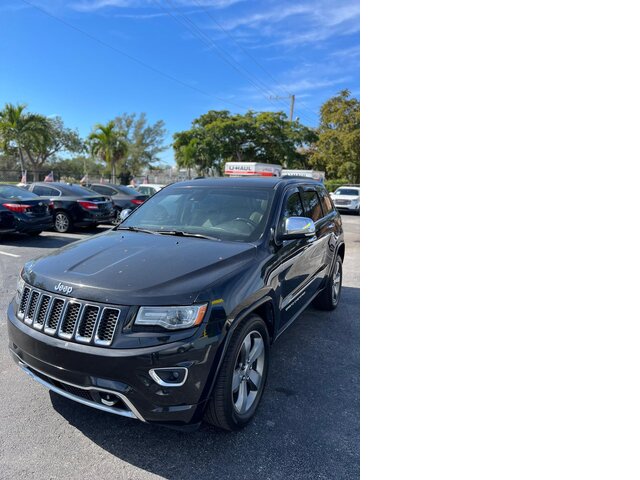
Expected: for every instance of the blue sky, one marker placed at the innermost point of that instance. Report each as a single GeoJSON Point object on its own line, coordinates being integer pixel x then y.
{"type": "Point", "coordinates": [198, 55]}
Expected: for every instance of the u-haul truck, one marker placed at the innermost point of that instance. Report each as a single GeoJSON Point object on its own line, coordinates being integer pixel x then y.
{"type": "Point", "coordinates": [252, 169]}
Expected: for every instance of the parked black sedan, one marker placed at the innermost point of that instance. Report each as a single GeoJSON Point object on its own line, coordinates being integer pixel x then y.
{"type": "Point", "coordinates": [122, 196]}
{"type": "Point", "coordinates": [74, 205]}
{"type": "Point", "coordinates": [24, 212]}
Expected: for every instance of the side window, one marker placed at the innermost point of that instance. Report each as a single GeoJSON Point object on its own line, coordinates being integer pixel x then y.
{"type": "Point", "coordinates": [312, 205]}
{"type": "Point", "coordinates": [293, 206]}
{"type": "Point", "coordinates": [45, 191]}
{"type": "Point", "coordinates": [327, 206]}
{"type": "Point", "coordinates": [102, 190]}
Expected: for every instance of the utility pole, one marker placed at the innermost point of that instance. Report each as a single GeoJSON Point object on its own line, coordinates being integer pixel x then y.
{"type": "Point", "coordinates": [293, 101]}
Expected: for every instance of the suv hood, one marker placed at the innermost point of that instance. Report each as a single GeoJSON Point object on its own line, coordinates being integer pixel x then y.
{"type": "Point", "coordinates": [134, 268]}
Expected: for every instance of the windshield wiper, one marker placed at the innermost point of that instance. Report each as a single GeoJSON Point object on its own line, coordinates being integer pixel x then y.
{"type": "Point", "coordinates": [136, 229]}
{"type": "Point", "coordinates": [180, 233]}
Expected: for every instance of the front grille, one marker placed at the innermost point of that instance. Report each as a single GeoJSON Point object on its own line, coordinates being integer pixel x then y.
{"type": "Point", "coordinates": [33, 301]}
{"type": "Point", "coordinates": [68, 324]}
{"type": "Point", "coordinates": [342, 202]}
{"type": "Point", "coordinates": [38, 322]}
{"type": "Point", "coordinates": [69, 319]}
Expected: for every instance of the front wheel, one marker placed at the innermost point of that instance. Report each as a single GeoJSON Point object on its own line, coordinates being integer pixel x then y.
{"type": "Point", "coordinates": [242, 376]}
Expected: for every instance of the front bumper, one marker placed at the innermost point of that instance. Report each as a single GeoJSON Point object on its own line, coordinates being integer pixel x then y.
{"type": "Point", "coordinates": [350, 207]}
{"type": "Point", "coordinates": [89, 374]}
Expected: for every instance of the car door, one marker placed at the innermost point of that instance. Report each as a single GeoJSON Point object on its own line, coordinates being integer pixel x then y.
{"type": "Point", "coordinates": [319, 254]}
{"type": "Point", "coordinates": [292, 267]}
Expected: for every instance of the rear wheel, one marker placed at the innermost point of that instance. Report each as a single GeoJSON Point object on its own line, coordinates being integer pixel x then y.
{"type": "Point", "coordinates": [329, 297]}
{"type": "Point", "coordinates": [62, 222]}
{"type": "Point", "coordinates": [242, 376]}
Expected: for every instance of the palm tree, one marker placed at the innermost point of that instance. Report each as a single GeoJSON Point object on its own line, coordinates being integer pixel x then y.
{"type": "Point", "coordinates": [110, 144]}
{"type": "Point", "coordinates": [19, 128]}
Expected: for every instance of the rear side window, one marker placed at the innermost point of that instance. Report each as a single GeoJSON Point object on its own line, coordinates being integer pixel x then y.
{"type": "Point", "coordinates": [326, 201]}
{"type": "Point", "coordinates": [103, 190]}
{"type": "Point", "coordinates": [45, 191]}
{"type": "Point", "coordinates": [312, 205]}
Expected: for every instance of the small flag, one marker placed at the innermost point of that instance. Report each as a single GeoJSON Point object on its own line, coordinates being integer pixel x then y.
{"type": "Point", "coordinates": [49, 178]}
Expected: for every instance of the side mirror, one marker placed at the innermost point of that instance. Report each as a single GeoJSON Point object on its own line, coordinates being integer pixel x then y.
{"type": "Point", "coordinates": [298, 227]}
{"type": "Point", "coordinates": [124, 214]}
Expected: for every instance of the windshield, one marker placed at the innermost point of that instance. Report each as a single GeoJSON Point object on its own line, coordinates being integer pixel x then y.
{"type": "Point", "coordinates": [347, 191]}
{"type": "Point", "coordinates": [77, 190]}
{"type": "Point", "coordinates": [236, 214]}
{"type": "Point", "coordinates": [7, 191]}
{"type": "Point", "coordinates": [127, 190]}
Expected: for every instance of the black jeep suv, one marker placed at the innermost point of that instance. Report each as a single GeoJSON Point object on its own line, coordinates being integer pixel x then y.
{"type": "Point", "coordinates": [169, 317]}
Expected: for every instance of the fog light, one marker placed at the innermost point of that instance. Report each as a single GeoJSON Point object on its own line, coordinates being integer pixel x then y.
{"type": "Point", "coordinates": [170, 376]}
{"type": "Point", "coordinates": [108, 399]}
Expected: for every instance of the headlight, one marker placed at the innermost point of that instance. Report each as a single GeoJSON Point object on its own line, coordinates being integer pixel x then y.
{"type": "Point", "coordinates": [172, 318]}
{"type": "Point", "coordinates": [20, 289]}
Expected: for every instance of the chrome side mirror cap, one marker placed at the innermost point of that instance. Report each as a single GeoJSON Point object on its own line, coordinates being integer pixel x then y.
{"type": "Point", "coordinates": [298, 227]}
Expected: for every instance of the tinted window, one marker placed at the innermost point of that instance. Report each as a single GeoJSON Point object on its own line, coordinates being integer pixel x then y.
{"type": "Point", "coordinates": [293, 206]}
{"type": "Point", "coordinates": [103, 190]}
{"type": "Point", "coordinates": [77, 190]}
{"type": "Point", "coordinates": [45, 191]}
{"type": "Point", "coordinates": [347, 191]}
{"type": "Point", "coordinates": [127, 190]}
{"type": "Point", "coordinates": [312, 205]}
{"type": "Point", "coordinates": [226, 213]}
{"type": "Point", "coordinates": [7, 191]}
{"type": "Point", "coordinates": [327, 206]}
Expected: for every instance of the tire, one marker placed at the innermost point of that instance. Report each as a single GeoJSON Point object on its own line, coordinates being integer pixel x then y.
{"type": "Point", "coordinates": [34, 234]}
{"type": "Point", "coordinates": [62, 222]}
{"type": "Point", "coordinates": [116, 219]}
{"type": "Point", "coordinates": [329, 297]}
{"type": "Point", "coordinates": [226, 409]}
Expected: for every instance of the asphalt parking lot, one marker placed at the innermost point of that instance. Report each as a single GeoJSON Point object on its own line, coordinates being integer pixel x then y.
{"type": "Point", "coordinates": [307, 426]}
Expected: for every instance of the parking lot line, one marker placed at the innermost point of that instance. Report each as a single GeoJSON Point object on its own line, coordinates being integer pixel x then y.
{"type": "Point", "coordinates": [9, 254]}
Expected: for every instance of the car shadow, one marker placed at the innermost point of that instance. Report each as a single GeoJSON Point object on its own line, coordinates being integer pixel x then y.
{"type": "Point", "coordinates": [307, 425]}
{"type": "Point", "coordinates": [46, 240]}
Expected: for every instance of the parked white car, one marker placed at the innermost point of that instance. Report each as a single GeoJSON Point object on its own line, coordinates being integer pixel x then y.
{"type": "Point", "coordinates": [149, 188]}
{"type": "Point", "coordinates": [347, 198]}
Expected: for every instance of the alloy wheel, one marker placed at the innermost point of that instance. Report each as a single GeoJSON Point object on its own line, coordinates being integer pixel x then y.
{"type": "Point", "coordinates": [248, 372]}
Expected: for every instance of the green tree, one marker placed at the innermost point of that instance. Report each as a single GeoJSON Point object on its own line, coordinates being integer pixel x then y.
{"type": "Point", "coordinates": [17, 128]}
{"type": "Point", "coordinates": [56, 138]}
{"type": "Point", "coordinates": [145, 141]}
{"type": "Point", "coordinates": [218, 137]}
{"type": "Point", "coordinates": [338, 148]}
{"type": "Point", "coordinates": [110, 144]}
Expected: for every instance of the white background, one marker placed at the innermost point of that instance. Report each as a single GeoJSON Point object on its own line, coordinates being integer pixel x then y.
{"type": "Point", "coordinates": [501, 258]}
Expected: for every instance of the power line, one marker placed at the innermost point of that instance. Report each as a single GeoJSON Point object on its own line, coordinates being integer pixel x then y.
{"type": "Point", "coordinates": [131, 57]}
{"type": "Point", "coordinates": [278, 84]}
{"type": "Point", "coordinates": [225, 56]}
{"type": "Point", "coordinates": [198, 33]}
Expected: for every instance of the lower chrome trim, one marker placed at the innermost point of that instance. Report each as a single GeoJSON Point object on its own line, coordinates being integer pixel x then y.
{"type": "Point", "coordinates": [116, 411]}
{"type": "Point", "coordinates": [162, 383]}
